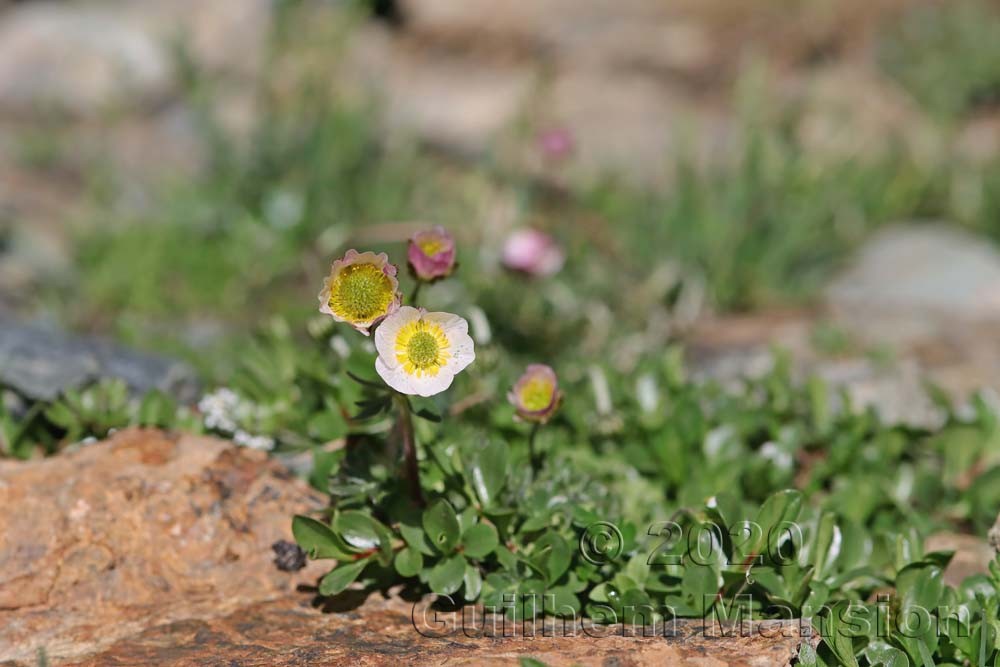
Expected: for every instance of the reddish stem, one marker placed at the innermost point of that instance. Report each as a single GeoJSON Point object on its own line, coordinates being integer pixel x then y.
{"type": "Point", "coordinates": [411, 467]}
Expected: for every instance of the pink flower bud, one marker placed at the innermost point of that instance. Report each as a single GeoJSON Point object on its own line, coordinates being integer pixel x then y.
{"type": "Point", "coordinates": [536, 396]}
{"type": "Point", "coordinates": [533, 252]}
{"type": "Point", "coordinates": [431, 254]}
{"type": "Point", "coordinates": [556, 144]}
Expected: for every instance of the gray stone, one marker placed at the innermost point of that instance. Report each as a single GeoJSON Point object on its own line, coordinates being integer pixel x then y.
{"type": "Point", "coordinates": [832, 126]}
{"type": "Point", "coordinates": [78, 59]}
{"type": "Point", "coordinates": [40, 364]}
{"type": "Point", "coordinates": [633, 126]}
{"type": "Point", "coordinates": [460, 104]}
{"type": "Point", "coordinates": [603, 33]}
{"type": "Point", "coordinates": [918, 282]}
{"type": "Point", "coordinates": [221, 36]}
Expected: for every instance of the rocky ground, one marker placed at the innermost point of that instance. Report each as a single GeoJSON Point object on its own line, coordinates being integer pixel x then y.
{"type": "Point", "coordinates": [155, 549]}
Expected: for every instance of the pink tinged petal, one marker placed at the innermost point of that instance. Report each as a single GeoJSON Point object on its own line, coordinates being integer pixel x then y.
{"type": "Point", "coordinates": [533, 374]}
{"type": "Point", "coordinates": [352, 256]}
{"type": "Point", "coordinates": [431, 266]}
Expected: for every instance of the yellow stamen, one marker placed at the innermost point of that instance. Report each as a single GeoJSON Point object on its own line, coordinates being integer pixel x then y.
{"type": "Point", "coordinates": [422, 348]}
{"type": "Point", "coordinates": [361, 293]}
{"type": "Point", "coordinates": [431, 246]}
{"type": "Point", "coordinates": [536, 394]}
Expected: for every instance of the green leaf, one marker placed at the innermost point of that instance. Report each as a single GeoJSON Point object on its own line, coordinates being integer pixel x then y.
{"type": "Point", "coordinates": [341, 577]}
{"type": "Point", "coordinates": [880, 654]}
{"type": "Point", "coordinates": [416, 538]}
{"type": "Point", "coordinates": [699, 583]}
{"type": "Point", "coordinates": [157, 409]}
{"type": "Point", "coordinates": [479, 540]}
{"type": "Point", "coordinates": [807, 655]}
{"type": "Point", "coordinates": [326, 426]}
{"type": "Point", "coordinates": [560, 601]}
{"type": "Point", "coordinates": [473, 582]}
{"type": "Point", "coordinates": [779, 509]}
{"type": "Point", "coordinates": [840, 632]}
{"type": "Point", "coordinates": [441, 525]}
{"type": "Point", "coordinates": [531, 662]}
{"type": "Point", "coordinates": [430, 416]}
{"type": "Point", "coordinates": [409, 562]}
{"type": "Point", "coordinates": [358, 529]}
{"type": "Point", "coordinates": [324, 463]}
{"type": "Point", "coordinates": [826, 545]}
{"type": "Point", "coordinates": [552, 555]}
{"type": "Point", "coordinates": [488, 471]}
{"type": "Point", "coordinates": [447, 576]}
{"type": "Point", "coordinates": [317, 540]}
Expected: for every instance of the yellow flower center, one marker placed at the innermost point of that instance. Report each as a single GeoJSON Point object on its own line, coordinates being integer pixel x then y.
{"type": "Point", "coordinates": [536, 394]}
{"type": "Point", "coordinates": [431, 246]}
{"type": "Point", "coordinates": [360, 293]}
{"type": "Point", "coordinates": [422, 347]}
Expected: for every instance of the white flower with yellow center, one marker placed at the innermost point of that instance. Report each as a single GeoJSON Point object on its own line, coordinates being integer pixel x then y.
{"type": "Point", "coordinates": [421, 353]}
{"type": "Point", "coordinates": [360, 290]}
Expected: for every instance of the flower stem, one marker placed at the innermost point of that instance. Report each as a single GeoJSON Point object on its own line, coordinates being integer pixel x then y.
{"type": "Point", "coordinates": [412, 469]}
{"type": "Point", "coordinates": [416, 293]}
{"type": "Point", "coordinates": [531, 448]}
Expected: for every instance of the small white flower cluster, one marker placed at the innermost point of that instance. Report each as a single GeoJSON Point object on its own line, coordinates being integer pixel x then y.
{"type": "Point", "coordinates": [261, 442]}
{"type": "Point", "coordinates": [223, 410]}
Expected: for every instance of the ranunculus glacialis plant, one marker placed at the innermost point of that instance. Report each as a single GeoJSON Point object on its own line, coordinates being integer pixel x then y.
{"type": "Point", "coordinates": [419, 352]}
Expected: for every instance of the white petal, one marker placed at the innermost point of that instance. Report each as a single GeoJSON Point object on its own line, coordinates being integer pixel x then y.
{"type": "Point", "coordinates": [395, 377]}
{"type": "Point", "coordinates": [385, 334]}
{"type": "Point", "coordinates": [461, 346]}
{"type": "Point", "coordinates": [401, 381]}
{"type": "Point", "coordinates": [448, 321]}
{"type": "Point", "coordinates": [462, 350]}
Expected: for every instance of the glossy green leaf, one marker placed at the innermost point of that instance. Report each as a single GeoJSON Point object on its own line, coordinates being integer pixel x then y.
{"type": "Point", "coordinates": [317, 540]}
{"type": "Point", "coordinates": [447, 576]}
{"type": "Point", "coordinates": [488, 471]}
{"type": "Point", "coordinates": [472, 582]}
{"type": "Point", "coordinates": [409, 562]}
{"type": "Point", "coordinates": [441, 525]}
{"type": "Point", "coordinates": [357, 529]}
{"type": "Point", "coordinates": [479, 540]}
{"type": "Point", "coordinates": [552, 555]}
{"type": "Point", "coordinates": [341, 577]}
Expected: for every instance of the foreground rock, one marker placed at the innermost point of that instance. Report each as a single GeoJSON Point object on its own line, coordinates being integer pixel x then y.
{"type": "Point", "coordinates": [41, 364]}
{"type": "Point", "coordinates": [290, 632]}
{"type": "Point", "coordinates": [153, 550]}
{"type": "Point", "coordinates": [144, 529]}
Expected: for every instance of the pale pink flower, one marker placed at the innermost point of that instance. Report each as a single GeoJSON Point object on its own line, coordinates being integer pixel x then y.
{"type": "Point", "coordinates": [533, 252]}
{"type": "Point", "coordinates": [431, 254]}
{"type": "Point", "coordinates": [536, 396]}
{"type": "Point", "coordinates": [361, 290]}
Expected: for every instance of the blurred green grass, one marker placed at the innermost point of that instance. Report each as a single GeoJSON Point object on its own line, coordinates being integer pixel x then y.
{"type": "Point", "coordinates": [214, 258]}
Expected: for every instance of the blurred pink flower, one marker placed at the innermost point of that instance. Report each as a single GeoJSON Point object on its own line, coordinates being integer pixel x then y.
{"type": "Point", "coordinates": [536, 396]}
{"type": "Point", "coordinates": [431, 254]}
{"type": "Point", "coordinates": [533, 252]}
{"type": "Point", "coordinates": [556, 143]}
